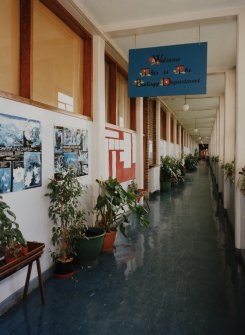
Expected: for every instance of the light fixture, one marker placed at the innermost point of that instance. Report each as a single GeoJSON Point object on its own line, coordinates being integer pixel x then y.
{"type": "Point", "coordinates": [195, 129]}
{"type": "Point", "coordinates": [185, 107]}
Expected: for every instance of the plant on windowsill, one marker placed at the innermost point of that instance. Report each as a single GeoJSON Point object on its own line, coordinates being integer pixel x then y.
{"type": "Point", "coordinates": [113, 207]}
{"type": "Point", "coordinates": [12, 242]}
{"type": "Point", "coordinates": [241, 181]}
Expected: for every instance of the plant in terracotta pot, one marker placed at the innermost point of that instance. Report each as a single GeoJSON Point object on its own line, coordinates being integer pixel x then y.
{"type": "Point", "coordinates": [12, 242]}
{"type": "Point", "coordinates": [65, 194]}
{"type": "Point", "coordinates": [113, 207]}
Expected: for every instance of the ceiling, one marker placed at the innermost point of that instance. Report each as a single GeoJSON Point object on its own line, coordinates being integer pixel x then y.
{"type": "Point", "coordinates": [142, 23]}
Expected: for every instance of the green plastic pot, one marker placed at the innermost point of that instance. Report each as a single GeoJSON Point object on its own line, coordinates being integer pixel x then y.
{"type": "Point", "coordinates": [165, 186]}
{"type": "Point", "coordinates": [88, 249]}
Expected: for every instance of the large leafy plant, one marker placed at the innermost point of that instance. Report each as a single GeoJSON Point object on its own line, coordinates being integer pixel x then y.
{"type": "Point", "coordinates": [191, 162]}
{"type": "Point", "coordinates": [11, 238]}
{"type": "Point", "coordinates": [65, 213]}
{"type": "Point", "coordinates": [168, 169]}
{"type": "Point", "coordinates": [113, 206]}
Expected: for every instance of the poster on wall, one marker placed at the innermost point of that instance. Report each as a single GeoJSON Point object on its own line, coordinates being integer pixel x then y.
{"type": "Point", "coordinates": [20, 153]}
{"type": "Point", "coordinates": [70, 150]}
{"type": "Point", "coordinates": [168, 70]}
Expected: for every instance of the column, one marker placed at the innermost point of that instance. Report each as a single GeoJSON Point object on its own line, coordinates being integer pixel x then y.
{"type": "Point", "coordinates": [240, 134]}
{"type": "Point", "coordinates": [221, 143]}
{"type": "Point", "coordinates": [139, 143]}
{"type": "Point", "coordinates": [168, 140]}
{"type": "Point", "coordinates": [158, 135]}
{"type": "Point", "coordinates": [229, 129]}
{"type": "Point", "coordinates": [99, 156]}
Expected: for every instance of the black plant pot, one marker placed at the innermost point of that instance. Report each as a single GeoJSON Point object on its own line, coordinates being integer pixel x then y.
{"type": "Point", "coordinates": [64, 269]}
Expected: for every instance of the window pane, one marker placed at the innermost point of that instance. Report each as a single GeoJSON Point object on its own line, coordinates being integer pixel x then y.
{"type": "Point", "coordinates": [9, 46]}
{"type": "Point", "coordinates": [107, 91]}
{"type": "Point", "coordinates": [57, 62]}
{"type": "Point", "coordinates": [123, 102]}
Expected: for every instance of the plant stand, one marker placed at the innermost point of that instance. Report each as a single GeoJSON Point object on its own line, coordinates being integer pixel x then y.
{"type": "Point", "coordinates": [34, 253]}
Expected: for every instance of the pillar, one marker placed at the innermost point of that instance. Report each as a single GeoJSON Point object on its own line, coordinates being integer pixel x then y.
{"type": "Point", "coordinates": [100, 169]}
{"type": "Point", "coordinates": [139, 143]}
{"type": "Point", "coordinates": [158, 131]}
{"type": "Point", "coordinates": [240, 134]}
{"type": "Point", "coordinates": [229, 128]}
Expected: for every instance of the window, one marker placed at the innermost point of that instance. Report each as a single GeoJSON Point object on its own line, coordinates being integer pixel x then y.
{"type": "Point", "coordinates": [56, 62]}
{"type": "Point", "coordinates": [172, 130]}
{"type": "Point", "coordinates": [9, 46]}
{"type": "Point", "coordinates": [177, 129]}
{"type": "Point", "coordinates": [123, 102]}
{"type": "Point", "coordinates": [163, 125]}
{"type": "Point", "coordinates": [120, 109]}
{"type": "Point", "coordinates": [45, 55]}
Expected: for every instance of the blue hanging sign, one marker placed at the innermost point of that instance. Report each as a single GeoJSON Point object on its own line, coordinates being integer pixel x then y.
{"type": "Point", "coordinates": [168, 70]}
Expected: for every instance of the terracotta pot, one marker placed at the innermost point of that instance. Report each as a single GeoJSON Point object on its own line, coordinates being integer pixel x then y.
{"type": "Point", "coordinates": [109, 241]}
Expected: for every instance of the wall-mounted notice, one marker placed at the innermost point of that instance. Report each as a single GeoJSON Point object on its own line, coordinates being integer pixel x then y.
{"type": "Point", "coordinates": [70, 150]}
{"type": "Point", "coordinates": [168, 70]}
{"type": "Point", "coordinates": [20, 153]}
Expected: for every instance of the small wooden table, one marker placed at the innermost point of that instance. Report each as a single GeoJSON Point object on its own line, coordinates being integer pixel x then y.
{"type": "Point", "coordinates": [35, 250]}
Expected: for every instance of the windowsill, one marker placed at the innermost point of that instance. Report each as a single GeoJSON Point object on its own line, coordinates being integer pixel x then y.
{"type": "Point", "coordinates": [31, 102]}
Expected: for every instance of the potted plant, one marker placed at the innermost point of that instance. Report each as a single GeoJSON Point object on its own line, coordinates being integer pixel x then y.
{"type": "Point", "coordinates": [191, 162]}
{"type": "Point", "coordinates": [86, 244]}
{"type": "Point", "coordinates": [12, 242]}
{"type": "Point", "coordinates": [112, 208]}
{"type": "Point", "coordinates": [63, 210]}
{"type": "Point", "coordinates": [230, 171]}
{"type": "Point", "coordinates": [241, 181]}
{"type": "Point", "coordinates": [167, 174]}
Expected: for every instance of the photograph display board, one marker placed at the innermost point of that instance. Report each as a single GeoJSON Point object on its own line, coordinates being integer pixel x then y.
{"type": "Point", "coordinates": [20, 153]}
{"type": "Point", "coordinates": [70, 150]}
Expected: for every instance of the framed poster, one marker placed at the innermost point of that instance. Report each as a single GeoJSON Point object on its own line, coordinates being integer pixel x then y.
{"type": "Point", "coordinates": [20, 153]}
{"type": "Point", "coordinates": [70, 150]}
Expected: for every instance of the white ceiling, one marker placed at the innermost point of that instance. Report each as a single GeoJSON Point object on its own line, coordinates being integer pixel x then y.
{"type": "Point", "coordinates": [146, 23]}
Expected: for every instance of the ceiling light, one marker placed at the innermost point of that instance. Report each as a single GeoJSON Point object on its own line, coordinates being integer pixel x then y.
{"type": "Point", "coordinates": [195, 129]}
{"type": "Point", "coordinates": [185, 107]}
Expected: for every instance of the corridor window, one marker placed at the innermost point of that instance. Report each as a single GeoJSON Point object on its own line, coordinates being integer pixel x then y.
{"type": "Point", "coordinates": [123, 102]}
{"type": "Point", "coordinates": [57, 62]}
{"type": "Point", "coordinates": [163, 125]}
{"type": "Point", "coordinates": [9, 46]}
{"type": "Point", "coordinates": [117, 103]}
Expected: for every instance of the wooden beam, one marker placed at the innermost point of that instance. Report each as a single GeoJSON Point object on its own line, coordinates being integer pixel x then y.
{"type": "Point", "coordinates": [25, 48]}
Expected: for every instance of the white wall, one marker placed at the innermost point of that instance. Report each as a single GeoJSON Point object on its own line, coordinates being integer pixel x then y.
{"type": "Point", "coordinates": [31, 206]}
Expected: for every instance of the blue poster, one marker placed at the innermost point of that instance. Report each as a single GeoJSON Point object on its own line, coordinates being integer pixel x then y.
{"type": "Point", "coordinates": [20, 153]}
{"type": "Point", "coordinates": [168, 70]}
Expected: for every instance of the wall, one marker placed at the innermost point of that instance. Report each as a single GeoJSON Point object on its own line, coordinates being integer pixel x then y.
{"type": "Point", "coordinates": [120, 153]}
{"type": "Point", "coordinates": [31, 206]}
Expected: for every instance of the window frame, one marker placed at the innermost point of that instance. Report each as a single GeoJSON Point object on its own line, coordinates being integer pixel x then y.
{"type": "Point", "coordinates": [114, 69]}
{"type": "Point", "coordinates": [25, 8]}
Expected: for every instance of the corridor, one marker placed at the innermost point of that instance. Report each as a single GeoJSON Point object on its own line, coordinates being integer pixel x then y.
{"type": "Point", "coordinates": [179, 277]}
